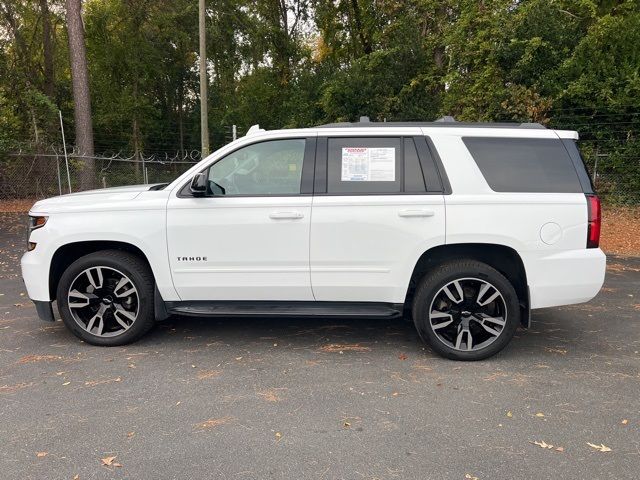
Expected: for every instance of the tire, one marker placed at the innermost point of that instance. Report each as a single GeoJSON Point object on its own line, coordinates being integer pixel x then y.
{"type": "Point", "coordinates": [449, 315]}
{"type": "Point", "coordinates": [113, 288]}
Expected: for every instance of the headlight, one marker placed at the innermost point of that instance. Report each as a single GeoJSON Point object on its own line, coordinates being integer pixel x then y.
{"type": "Point", "coordinates": [34, 224]}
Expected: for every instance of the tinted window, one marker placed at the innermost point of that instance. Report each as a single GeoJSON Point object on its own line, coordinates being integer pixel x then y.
{"type": "Point", "coordinates": [578, 163]}
{"type": "Point", "coordinates": [266, 168]}
{"type": "Point", "coordinates": [364, 165]}
{"type": "Point", "coordinates": [413, 177]}
{"type": "Point", "coordinates": [524, 164]}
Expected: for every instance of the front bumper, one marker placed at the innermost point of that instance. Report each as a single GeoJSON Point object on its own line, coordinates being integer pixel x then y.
{"type": "Point", "coordinates": [35, 274]}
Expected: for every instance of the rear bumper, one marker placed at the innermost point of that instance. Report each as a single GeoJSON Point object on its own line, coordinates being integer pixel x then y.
{"type": "Point", "coordinates": [564, 278]}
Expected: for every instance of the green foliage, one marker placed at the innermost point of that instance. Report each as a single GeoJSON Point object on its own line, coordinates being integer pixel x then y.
{"type": "Point", "coordinates": [293, 63]}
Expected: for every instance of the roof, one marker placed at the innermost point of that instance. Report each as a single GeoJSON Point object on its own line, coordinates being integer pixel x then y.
{"type": "Point", "coordinates": [446, 122]}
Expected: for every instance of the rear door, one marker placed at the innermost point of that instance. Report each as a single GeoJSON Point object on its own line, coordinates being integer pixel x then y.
{"type": "Point", "coordinates": [377, 206]}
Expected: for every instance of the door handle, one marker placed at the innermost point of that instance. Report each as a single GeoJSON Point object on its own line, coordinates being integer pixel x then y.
{"type": "Point", "coordinates": [416, 213]}
{"type": "Point", "coordinates": [285, 215]}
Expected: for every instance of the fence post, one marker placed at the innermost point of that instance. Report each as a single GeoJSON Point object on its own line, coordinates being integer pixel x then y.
{"type": "Point", "coordinates": [234, 132]}
{"type": "Point", "coordinates": [64, 145]}
{"type": "Point", "coordinates": [58, 170]}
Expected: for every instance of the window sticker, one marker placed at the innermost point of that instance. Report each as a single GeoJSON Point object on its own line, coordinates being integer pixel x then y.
{"type": "Point", "coordinates": [361, 164]}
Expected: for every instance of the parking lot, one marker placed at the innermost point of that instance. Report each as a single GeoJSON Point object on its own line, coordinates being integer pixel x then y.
{"type": "Point", "coordinates": [326, 399]}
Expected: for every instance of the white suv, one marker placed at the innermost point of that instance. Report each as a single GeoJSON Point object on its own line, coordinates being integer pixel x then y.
{"type": "Point", "coordinates": [467, 226]}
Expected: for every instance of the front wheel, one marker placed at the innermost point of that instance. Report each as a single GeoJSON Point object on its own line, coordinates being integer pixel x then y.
{"type": "Point", "coordinates": [466, 310]}
{"type": "Point", "coordinates": [106, 298]}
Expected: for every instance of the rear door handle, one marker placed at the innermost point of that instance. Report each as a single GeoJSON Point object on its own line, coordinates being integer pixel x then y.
{"type": "Point", "coordinates": [285, 215]}
{"type": "Point", "coordinates": [416, 213]}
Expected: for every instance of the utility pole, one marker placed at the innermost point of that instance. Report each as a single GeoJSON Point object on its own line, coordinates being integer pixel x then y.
{"type": "Point", "coordinates": [204, 120]}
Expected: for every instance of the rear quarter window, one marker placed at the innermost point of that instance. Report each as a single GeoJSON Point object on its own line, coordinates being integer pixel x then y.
{"type": "Point", "coordinates": [524, 164]}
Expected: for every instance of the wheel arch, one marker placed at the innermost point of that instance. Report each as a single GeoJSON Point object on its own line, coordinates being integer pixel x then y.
{"type": "Point", "coordinates": [66, 254]}
{"type": "Point", "coordinates": [503, 258]}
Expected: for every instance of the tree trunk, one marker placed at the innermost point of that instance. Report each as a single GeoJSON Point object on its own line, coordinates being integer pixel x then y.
{"type": "Point", "coordinates": [81, 97]}
{"type": "Point", "coordinates": [362, 35]}
{"type": "Point", "coordinates": [47, 41]}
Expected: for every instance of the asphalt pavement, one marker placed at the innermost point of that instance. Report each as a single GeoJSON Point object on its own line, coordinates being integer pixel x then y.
{"type": "Point", "coordinates": [319, 399]}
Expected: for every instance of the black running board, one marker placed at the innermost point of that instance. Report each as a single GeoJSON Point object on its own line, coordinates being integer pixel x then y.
{"type": "Point", "coordinates": [284, 309]}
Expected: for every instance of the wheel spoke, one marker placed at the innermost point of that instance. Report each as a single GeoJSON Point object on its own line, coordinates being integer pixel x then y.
{"type": "Point", "coordinates": [497, 320]}
{"type": "Point", "coordinates": [120, 314]}
{"type": "Point", "coordinates": [97, 316]}
{"type": "Point", "coordinates": [435, 315]}
{"type": "Point", "coordinates": [100, 326]}
{"type": "Point", "coordinates": [75, 294]}
{"type": "Point", "coordinates": [449, 294]}
{"type": "Point", "coordinates": [124, 281]}
{"type": "Point", "coordinates": [98, 280]}
{"type": "Point", "coordinates": [483, 290]}
{"type": "Point", "coordinates": [461, 334]}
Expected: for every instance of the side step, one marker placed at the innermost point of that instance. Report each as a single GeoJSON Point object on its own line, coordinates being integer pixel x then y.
{"type": "Point", "coordinates": [284, 309]}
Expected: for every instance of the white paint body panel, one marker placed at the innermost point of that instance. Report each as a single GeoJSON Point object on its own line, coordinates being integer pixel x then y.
{"type": "Point", "coordinates": [340, 248]}
{"type": "Point", "coordinates": [363, 249]}
{"type": "Point", "coordinates": [249, 254]}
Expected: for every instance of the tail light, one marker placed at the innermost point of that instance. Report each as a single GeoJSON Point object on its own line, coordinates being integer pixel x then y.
{"type": "Point", "coordinates": [595, 221]}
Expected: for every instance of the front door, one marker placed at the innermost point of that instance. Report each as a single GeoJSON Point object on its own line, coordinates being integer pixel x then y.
{"type": "Point", "coordinates": [248, 238]}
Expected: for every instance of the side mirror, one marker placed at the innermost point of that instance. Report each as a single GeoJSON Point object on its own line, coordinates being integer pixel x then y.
{"type": "Point", "coordinates": [199, 184]}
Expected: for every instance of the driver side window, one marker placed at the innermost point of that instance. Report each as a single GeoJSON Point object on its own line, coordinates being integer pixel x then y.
{"type": "Point", "coordinates": [266, 168]}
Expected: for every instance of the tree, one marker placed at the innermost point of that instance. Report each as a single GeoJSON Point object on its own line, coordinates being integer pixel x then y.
{"type": "Point", "coordinates": [81, 96]}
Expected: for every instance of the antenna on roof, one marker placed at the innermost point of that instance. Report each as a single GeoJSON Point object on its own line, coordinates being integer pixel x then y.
{"type": "Point", "coordinates": [446, 119]}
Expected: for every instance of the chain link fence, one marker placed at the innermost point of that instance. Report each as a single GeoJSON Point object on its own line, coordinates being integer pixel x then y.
{"type": "Point", "coordinates": [35, 176]}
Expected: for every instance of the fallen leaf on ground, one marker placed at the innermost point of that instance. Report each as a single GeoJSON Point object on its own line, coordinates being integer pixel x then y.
{"type": "Point", "coordinates": [547, 446]}
{"type": "Point", "coordinates": [270, 395]}
{"type": "Point", "coordinates": [93, 383]}
{"type": "Point", "coordinates": [346, 424]}
{"type": "Point", "coordinates": [204, 374]}
{"type": "Point", "coordinates": [14, 388]}
{"type": "Point", "coordinates": [213, 423]}
{"type": "Point", "coordinates": [468, 476]}
{"type": "Point", "coordinates": [344, 347]}
{"type": "Point", "coordinates": [131, 434]}
{"type": "Point", "coordinates": [41, 454]}
{"type": "Point", "coordinates": [601, 448]}
{"type": "Point", "coordinates": [539, 414]}
{"type": "Point", "coordinates": [509, 414]}
{"type": "Point", "coordinates": [66, 383]}
{"type": "Point", "coordinates": [109, 461]}
{"type": "Point", "coordinates": [625, 421]}
{"type": "Point", "coordinates": [38, 358]}
{"type": "Point", "coordinates": [556, 350]}
{"type": "Point", "coordinates": [278, 436]}
{"type": "Point", "coordinates": [402, 356]}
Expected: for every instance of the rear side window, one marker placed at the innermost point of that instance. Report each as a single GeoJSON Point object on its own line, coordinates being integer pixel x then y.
{"type": "Point", "coordinates": [364, 165]}
{"type": "Point", "coordinates": [524, 164]}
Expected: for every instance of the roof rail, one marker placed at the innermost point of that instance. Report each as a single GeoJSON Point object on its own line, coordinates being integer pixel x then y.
{"type": "Point", "coordinates": [446, 121]}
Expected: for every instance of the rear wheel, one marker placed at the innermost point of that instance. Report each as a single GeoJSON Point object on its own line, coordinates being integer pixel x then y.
{"type": "Point", "coordinates": [466, 310]}
{"type": "Point", "coordinates": [106, 298]}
